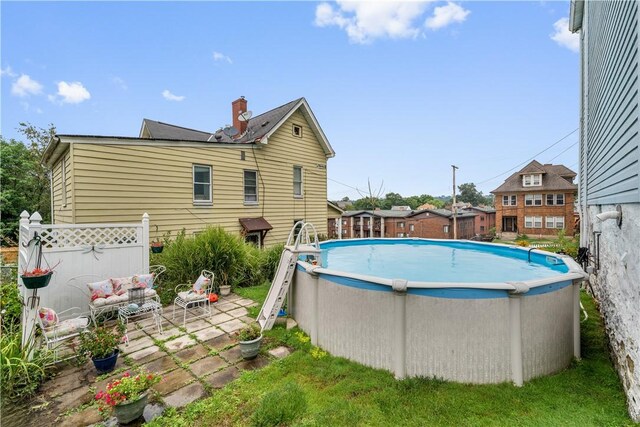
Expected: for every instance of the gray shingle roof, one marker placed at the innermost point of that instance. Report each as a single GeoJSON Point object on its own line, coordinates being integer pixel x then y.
{"type": "Point", "coordinates": [257, 127]}
{"type": "Point", "coordinates": [552, 179]}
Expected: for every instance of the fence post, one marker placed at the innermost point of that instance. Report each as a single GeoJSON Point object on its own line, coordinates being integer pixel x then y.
{"type": "Point", "coordinates": [145, 242]}
{"type": "Point", "coordinates": [29, 312]}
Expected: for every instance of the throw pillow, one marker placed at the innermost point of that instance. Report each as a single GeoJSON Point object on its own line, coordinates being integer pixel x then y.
{"type": "Point", "coordinates": [143, 280]}
{"type": "Point", "coordinates": [201, 284]}
{"type": "Point", "coordinates": [48, 317]}
{"type": "Point", "coordinates": [121, 285]}
{"type": "Point", "coordinates": [101, 289]}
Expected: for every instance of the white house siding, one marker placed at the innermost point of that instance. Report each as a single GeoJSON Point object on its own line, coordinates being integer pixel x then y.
{"type": "Point", "coordinates": [609, 175]}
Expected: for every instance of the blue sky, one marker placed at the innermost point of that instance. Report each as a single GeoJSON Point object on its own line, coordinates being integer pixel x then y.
{"type": "Point", "coordinates": [402, 90]}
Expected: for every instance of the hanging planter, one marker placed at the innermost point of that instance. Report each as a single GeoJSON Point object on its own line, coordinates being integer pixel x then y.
{"type": "Point", "coordinates": [36, 279]}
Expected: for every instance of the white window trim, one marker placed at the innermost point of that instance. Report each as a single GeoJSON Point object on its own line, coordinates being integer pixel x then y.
{"type": "Point", "coordinates": [529, 180]}
{"type": "Point", "coordinates": [301, 195]}
{"type": "Point", "coordinates": [531, 221]}
{"type": "Point", "coordinates": [208, 202]}
{"type": "Point", "coordinates": [555, 220]}
{"type": "Point", "coordinates": [244, 189]}
{"type": "Point", "coordinates": [533, 198]}
{"type": "Point", "coordinates": [293, 130]}
{"type": "Point", "coordinates": [512, 200]}
{"type": "Point", "coordinates": [555, 199]}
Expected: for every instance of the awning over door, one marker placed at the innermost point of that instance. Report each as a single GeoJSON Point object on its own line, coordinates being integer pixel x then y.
{"type": "Point", "coordinates": [255, 225]}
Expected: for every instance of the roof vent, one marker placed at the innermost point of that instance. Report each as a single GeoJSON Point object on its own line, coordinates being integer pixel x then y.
{"type": "Point", "coordinates": [264, 123]}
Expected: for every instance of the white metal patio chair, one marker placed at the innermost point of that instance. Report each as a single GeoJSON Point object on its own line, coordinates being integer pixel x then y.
{"type": "Point", "coordinates": [60, 329]}
{"type": "Point", "coordinates": [194, 298]}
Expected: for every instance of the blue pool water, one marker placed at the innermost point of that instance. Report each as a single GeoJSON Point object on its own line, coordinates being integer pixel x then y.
{"type": "Point", "coordinates": [437, 261]}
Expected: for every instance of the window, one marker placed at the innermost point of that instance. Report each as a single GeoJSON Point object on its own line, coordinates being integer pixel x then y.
{"type": "Point", "coordinates": [253, 238]}
{"type": "Point", "coordinates": [250, 187]}
{"type": "Point", "coordinates": [401, 225]}
{"type": "Point", "coordinates": [532, 222]}
{"type": "Point", "coordinates": [297, 131]}
{"type": "Point", "coordinates": [533, 200]}
{"type": "Point", "coordinates": [201, 185]}
{"type": "Point", "coordinates": [555, 222]}
{"type": "Point", "coordinates": [400, 234]}
{"type": "Point", "coordinates": [297, 181]}
{"type": "Point", "coordinates": [555, 199]}
{"type": "Point", "coordinates": [344, 222]}
{"type": "Point", "coordinates": [482, 219]}
{"type": "Point", "coordinates": [532, 180]}
{"type": "Point", "coordinates": [445, 228]}
{"type": "Point", "coordinates": [344, 231]}
{"type": "Point", "coordinates": [412, 227]}
{"type": "Point", "coordinates": [482, 228]}
{"type": "Point", "coordinates": [509, 200]}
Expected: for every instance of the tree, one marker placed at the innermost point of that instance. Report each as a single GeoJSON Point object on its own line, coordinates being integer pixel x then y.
{"type": "Point", "coordinates": [469, 194]}
{"type": "Point", "coordinates": [24, 180]}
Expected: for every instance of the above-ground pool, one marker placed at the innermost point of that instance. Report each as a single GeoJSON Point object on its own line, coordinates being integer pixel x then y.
{"type": "Point", "coordinates": [455, 310]}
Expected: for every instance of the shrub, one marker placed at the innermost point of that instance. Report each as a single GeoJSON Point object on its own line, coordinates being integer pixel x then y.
{"type": "Point", "coordinates": [233, 261]}
{"type": "Point", "coordinates": [281, 406]}
{"type": "Point", "coordinates": [20, 377]}
{"type": "Point", "coordinates": [10, 304]}
{"type": "Point", "coordinates": [101, 342]}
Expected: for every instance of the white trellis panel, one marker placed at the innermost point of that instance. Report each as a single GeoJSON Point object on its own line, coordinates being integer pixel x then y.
{"type": "Point", "coordinates": [99, 250]}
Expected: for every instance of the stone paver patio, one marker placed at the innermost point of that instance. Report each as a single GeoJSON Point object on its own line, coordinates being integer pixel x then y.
{"type": "Point", "coordinates": [194, 361]}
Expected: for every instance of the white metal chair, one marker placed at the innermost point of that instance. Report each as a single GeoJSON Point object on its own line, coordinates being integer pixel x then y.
{"type": "Point", "coordinates": [60, 329]}
{"type": "Point", "coordinates": [189, 300]}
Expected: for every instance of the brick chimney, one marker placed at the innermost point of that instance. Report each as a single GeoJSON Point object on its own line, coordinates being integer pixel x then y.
{"type": "Point", "coordinates": [238, 107]}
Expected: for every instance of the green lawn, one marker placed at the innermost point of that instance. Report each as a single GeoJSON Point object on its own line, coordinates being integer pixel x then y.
{"type": "Point", "coordinates": [312, 388]}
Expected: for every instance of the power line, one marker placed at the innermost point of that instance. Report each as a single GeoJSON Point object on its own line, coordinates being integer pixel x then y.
{"type": "Point", "coordinates": [528, 160]}
{"type": "Point", "coordinates": [563, 151]}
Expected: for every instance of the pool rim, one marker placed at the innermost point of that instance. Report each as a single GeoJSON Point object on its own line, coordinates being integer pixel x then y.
{"type": "Point", "coordinates": [574, 272]}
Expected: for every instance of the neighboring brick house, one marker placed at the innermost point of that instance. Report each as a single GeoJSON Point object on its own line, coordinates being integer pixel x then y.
{"type": "Point", "coordinates": [485, 218]}
{"type": "Point", "coordinates": [426, 223]}
{"type": "Point", "coordinates": [537, 200]}
{"type": "Point", "coordinates": [334, 220]}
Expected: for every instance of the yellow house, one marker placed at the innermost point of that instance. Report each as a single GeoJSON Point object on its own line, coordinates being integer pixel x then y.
{"type": "Point", "coordinates": [256, 178]}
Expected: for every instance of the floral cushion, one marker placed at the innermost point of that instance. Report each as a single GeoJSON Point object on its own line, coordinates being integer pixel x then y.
{"type": "Point", "coordinates": [143, 280]}
{"type": "Point", "coordinates": [122, 284]}
{"type": "Point", "coordinates": [191, 296]}
{"type": "Point", "coordinates": [67, 327]}
{"type": "Point", "coordinates": [201, 284]}
{"type": "Point", "coordinates": [101, 289]}
{"type": "Point", "coordinates": [48, 317]}
{"type": "Point", "coordinates": [111, 300]}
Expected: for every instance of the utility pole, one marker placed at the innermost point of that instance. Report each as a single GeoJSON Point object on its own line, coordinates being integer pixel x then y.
{"type": "Point", "coordinates": [455, 208]}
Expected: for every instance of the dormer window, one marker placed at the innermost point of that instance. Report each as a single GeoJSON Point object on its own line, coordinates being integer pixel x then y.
{"type": "Point", "coordinates": [534, 180]}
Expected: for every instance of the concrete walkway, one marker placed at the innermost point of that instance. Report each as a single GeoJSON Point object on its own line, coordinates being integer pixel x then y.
{"type": "Point", "coordinates": [194, 361]}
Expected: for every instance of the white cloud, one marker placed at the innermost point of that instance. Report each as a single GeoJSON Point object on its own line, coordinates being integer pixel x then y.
{"type": "Point", "coordinates": [446, 15]}
{"type": "Point", "coordinates": [70, 93]}
{"type": "Point", "coordinates": [367, 21]}
{"type": "Point", "coordinates": [171, 97]}
{"type": "Point", "coordinates": [564, 37]}
{"type": "Point", "coordinates": [119, 82]}
{"type": "Point", "coordinates": [25, 86]}
{"type": "Point", "coordinates": [8, 71]}
{"type": "Point", "coordinates": [217, 56]}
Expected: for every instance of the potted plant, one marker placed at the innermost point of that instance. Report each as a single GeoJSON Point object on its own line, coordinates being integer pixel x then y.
{"type": "Point", "coordinates": [157, 246]}
{"type": "Point", "coordinates": [101, 345]}
{"type": "Point", "coordinates": [127, 395]}
{"type": "Point", "coordinates": [36, 278]}
{"type": "Point", "coordinates": [249, 339]}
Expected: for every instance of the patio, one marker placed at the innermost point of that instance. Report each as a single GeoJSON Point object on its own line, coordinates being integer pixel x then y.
{"type": "Point", "coordinates": [194, 361]}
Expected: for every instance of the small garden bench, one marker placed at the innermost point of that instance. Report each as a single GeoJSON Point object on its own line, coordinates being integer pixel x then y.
{"type": "Point", "coordinates": [107, 296]}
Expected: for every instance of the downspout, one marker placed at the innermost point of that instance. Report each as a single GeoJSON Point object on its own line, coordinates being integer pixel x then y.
{"type": "Point", "coordinates": [51, 194]}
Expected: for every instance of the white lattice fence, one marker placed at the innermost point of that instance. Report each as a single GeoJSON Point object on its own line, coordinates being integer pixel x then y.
{"type": "Point", "coordinates": [100, 251]}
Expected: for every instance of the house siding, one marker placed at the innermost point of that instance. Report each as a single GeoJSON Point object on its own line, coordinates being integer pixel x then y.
{"type": "Point", "coordinates": [609, 176]}
{"type": "Point", "coordinates": [119, 182]}
{"type": "Point", "coordinates": [63, 207]}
